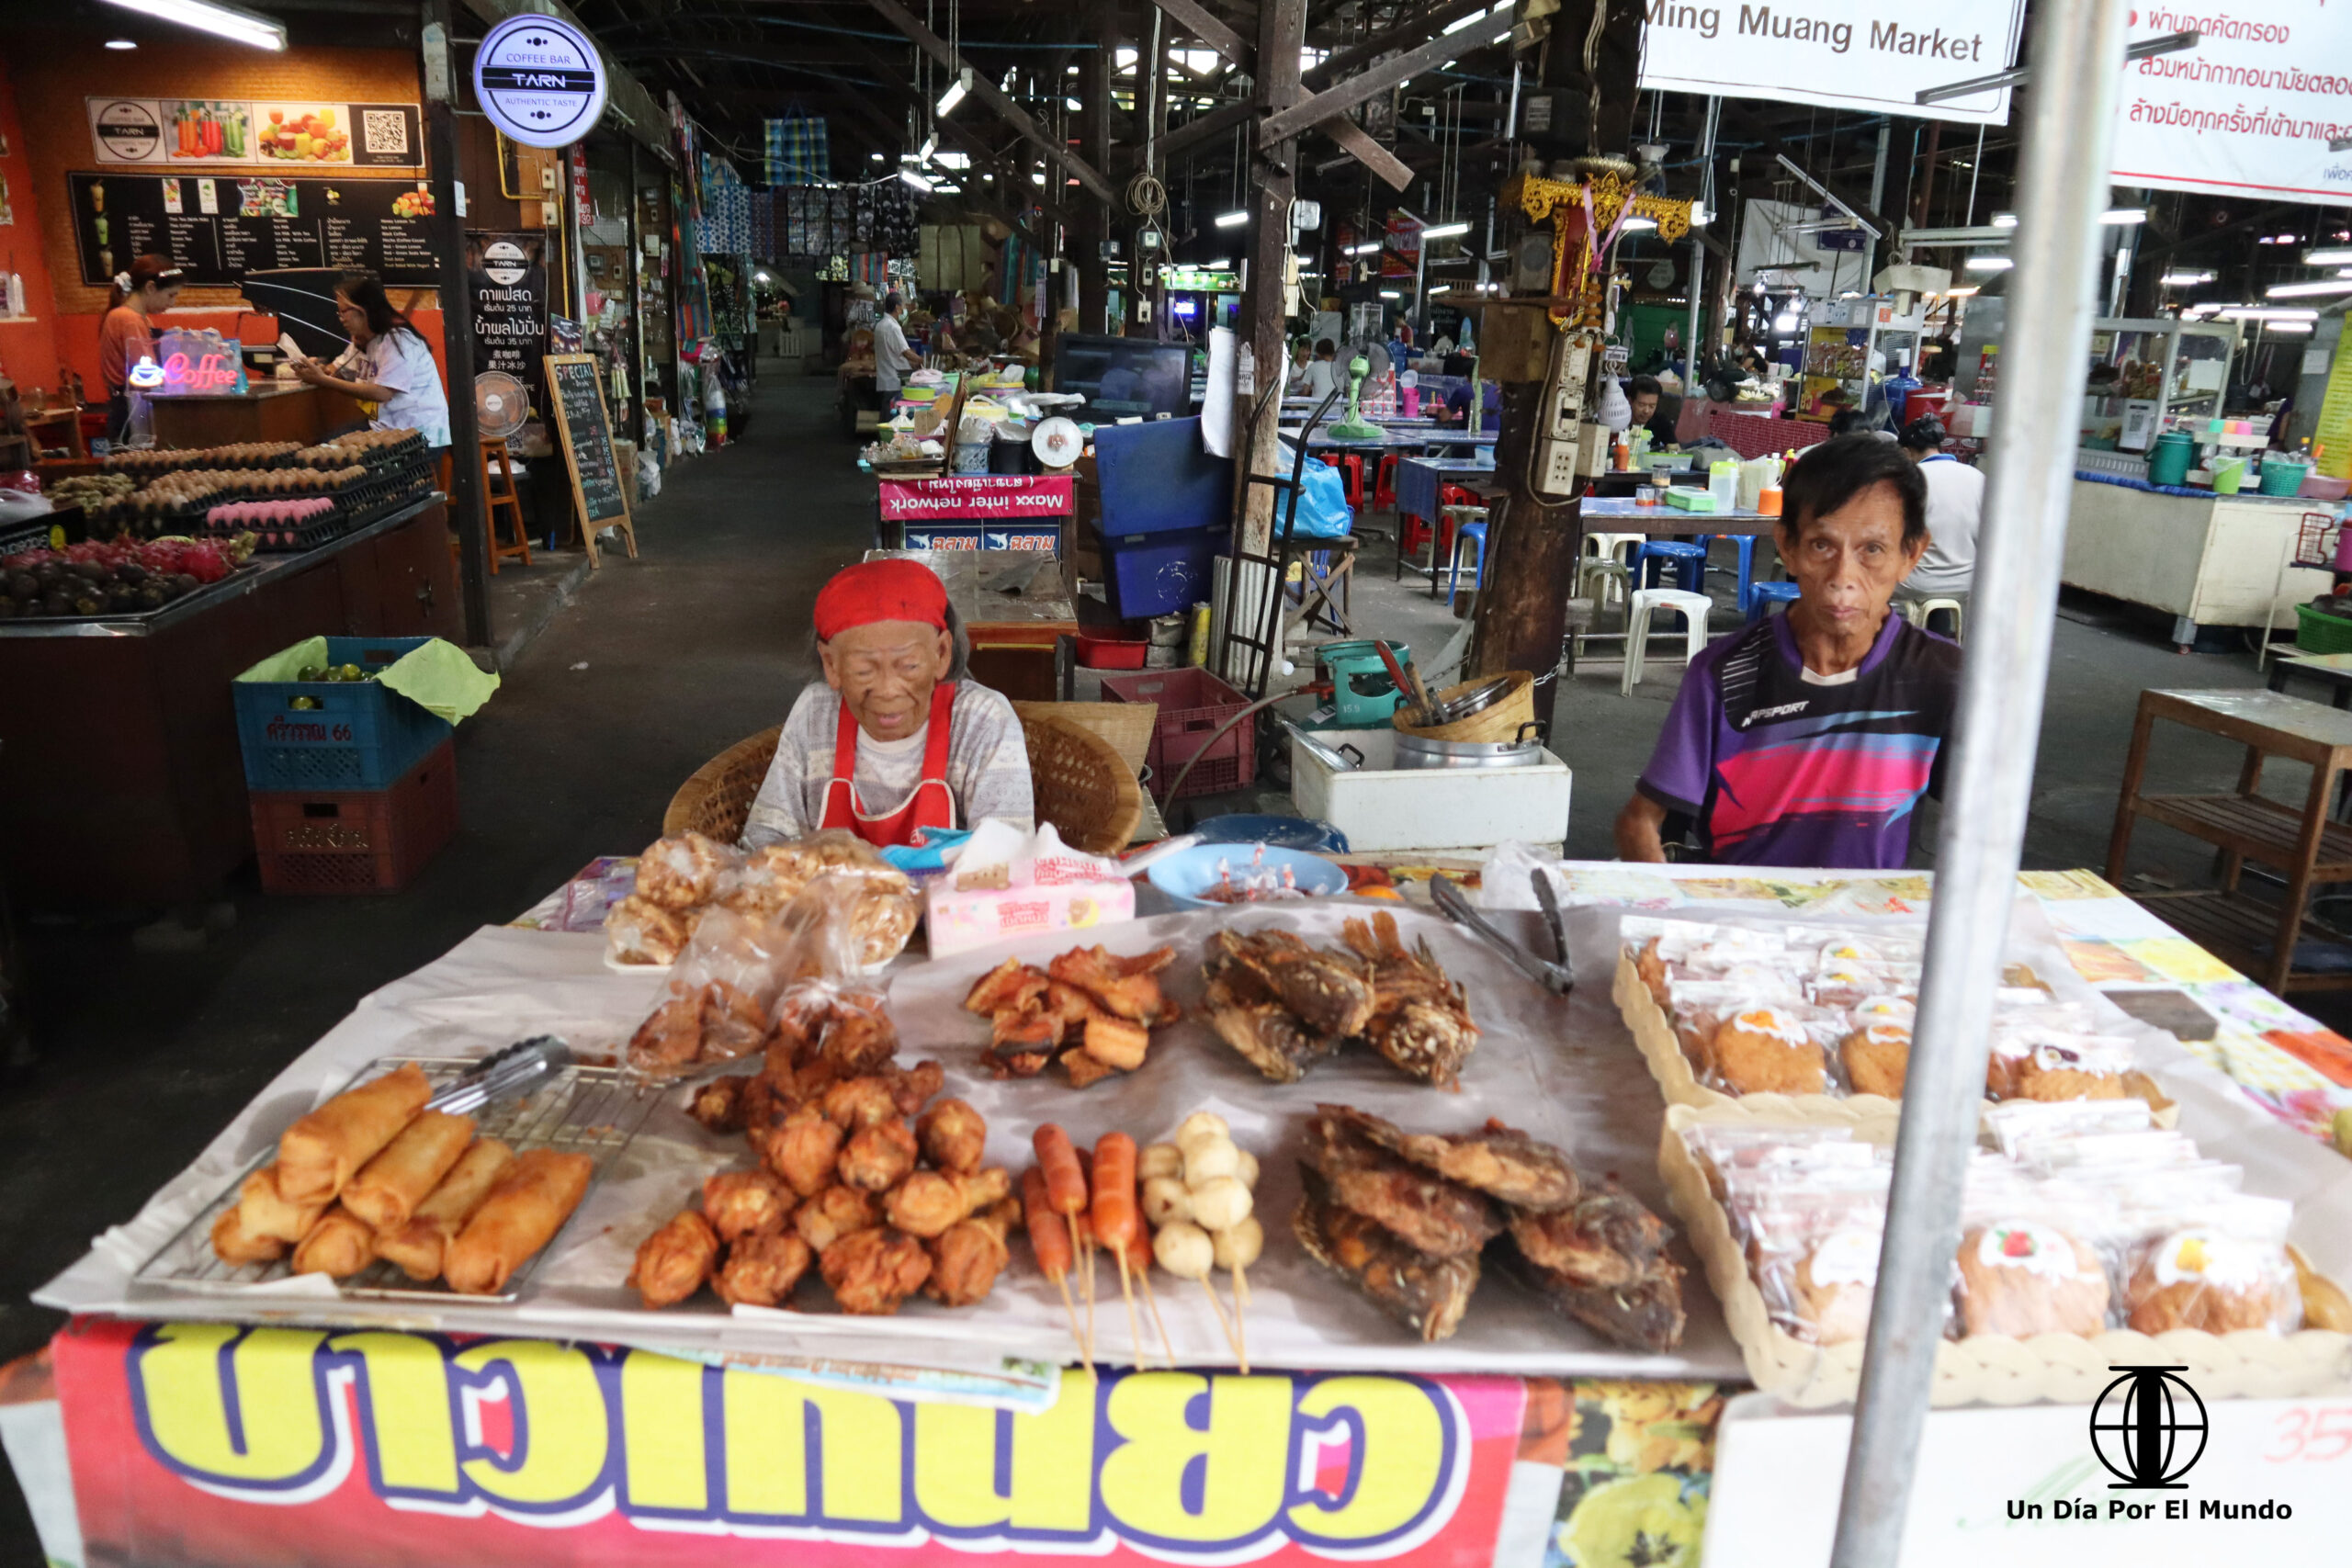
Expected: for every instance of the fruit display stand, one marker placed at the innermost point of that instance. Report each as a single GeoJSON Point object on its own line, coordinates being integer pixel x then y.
{"type": "Point", "coordinates": [587, 1432]}
{"type": "Point", "coordinates": [124, 779]}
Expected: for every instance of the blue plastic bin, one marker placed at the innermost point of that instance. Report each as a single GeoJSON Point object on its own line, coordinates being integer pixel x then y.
{"type": "Point", "coordinates": [361, 736]}
{"type": "Point", "coordinates": [1157, 574]}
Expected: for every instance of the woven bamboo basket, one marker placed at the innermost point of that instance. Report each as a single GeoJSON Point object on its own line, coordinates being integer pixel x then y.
{"type": "Point", "coordinates": [1083, 785]}
{"type": "Point", "coordinates": [1126, 726]}
{"type": "Point", "coordinates": [1500, 723]}
{"type": "Point", "coordinates": [1988, 1368]}
{"type": "Point", "coordinates": [717, 799]}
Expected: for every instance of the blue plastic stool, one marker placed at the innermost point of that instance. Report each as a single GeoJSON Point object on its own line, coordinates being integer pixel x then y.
{"type": "Point", "coordinates": [1469, 533]}
{"type": "Point", "coordinates": [1746, 544]}
{"type": "Point", "coordinates": [1687, 560]}
{"type": "Point", "coordinates": [1762, 596]}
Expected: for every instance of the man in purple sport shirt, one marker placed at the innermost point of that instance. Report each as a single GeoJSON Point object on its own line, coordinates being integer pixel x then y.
{"type": "Point", "coordinates": [1807, 739]}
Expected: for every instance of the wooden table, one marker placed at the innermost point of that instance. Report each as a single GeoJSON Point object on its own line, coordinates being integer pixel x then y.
{"type": "Point", "coordinates": [124, 785]}
{"type": "Point", "coordinates": [2305, 846]}
{"type": "Point", "coordinates": [272, 410]}
{"type": "Point", "coordinates": [1013, 605]}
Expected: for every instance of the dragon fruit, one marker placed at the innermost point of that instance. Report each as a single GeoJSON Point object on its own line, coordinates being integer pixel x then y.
{"type": "Point", "coordinates": [205, 562]}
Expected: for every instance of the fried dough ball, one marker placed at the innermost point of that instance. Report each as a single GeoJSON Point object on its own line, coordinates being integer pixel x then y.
{"type": "Point", "coordinates": [873, 1270]}
{"type": "Point", "coordinates": [954, 1137]}
{"type": "Point", "coordinates": [928, 1201]}
{"type": "Point", "coordinates": [966, 1260]}
{"type": "Point", "coordinates": [673, 1263]}
{"type": "Point", "coordinates": [835, 1212]}
{"type": "Point", "coordinates": [744, 1202]}
{"type": "Point", "coordinates": [761, 1270]}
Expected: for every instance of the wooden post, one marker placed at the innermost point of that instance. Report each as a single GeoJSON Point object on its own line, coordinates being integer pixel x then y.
{"type": "Point", "coordinates": [1531, 545]}
{"type": "Point", "coordinates": [1094, 140]}
{"type": "Point", "coordinates": [1282, 33]}
{"type": "Point", "coordinates": [457, 318]}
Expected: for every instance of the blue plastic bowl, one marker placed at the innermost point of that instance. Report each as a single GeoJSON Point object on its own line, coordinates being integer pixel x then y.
{"type": "Point", "coordinates": [1185, 875]}
{"type": "Point", "coordinates": [1281, 833]}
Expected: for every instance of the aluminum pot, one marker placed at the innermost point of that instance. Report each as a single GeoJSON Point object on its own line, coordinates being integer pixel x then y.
{"type": "Point", "coordinates": [1415, 751]}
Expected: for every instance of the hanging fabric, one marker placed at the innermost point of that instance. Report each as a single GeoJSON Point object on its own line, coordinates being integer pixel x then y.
{"type": "Point", "coordinates": [798, 149]}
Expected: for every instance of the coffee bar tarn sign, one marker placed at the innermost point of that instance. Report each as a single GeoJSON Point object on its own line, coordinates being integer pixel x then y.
{"type": "Point", "coordinates": [506, 274]}
{"type": "Point", "coordinates": [218, 132]}
{"type": "Point", "coordinates": [2249, 111]}
{"type": "Point", "coordinates": [1849, 54]}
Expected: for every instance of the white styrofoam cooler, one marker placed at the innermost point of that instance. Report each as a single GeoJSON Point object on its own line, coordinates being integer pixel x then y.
{"type": "Point", "coordinates": [1381, 807]}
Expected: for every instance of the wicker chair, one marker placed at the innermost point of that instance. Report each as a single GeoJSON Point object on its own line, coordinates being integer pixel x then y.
{"type": "Point", "coordinates": [1083, 787]}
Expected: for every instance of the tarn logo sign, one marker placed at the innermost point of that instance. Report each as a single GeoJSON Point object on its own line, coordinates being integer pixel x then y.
{"type": "Point", "coordinates": [2148, 1428]}
{"type": "Point", "coordinates": [541, 80]}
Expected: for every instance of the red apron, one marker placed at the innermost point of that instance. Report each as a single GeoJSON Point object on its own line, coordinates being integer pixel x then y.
{"type": "Point", "coordinates": [930, 805]}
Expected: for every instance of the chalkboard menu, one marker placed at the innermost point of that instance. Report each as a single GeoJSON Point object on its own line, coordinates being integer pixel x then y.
{"type": "Point", "coordinates": [579, 405]}
{"type": "Point", "coordinates": [216, 228]}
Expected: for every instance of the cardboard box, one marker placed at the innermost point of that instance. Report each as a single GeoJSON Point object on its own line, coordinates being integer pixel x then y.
{"type": "Point", "coordinates": [961, 921]}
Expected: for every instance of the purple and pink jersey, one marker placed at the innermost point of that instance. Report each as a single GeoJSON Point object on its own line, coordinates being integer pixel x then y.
{"type": "Point", "coordinates": [1779, 768]}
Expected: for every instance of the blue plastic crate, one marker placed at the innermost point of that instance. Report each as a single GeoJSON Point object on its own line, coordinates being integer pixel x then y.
{"type": "Point", "coordinates": [1157, 574]}
{"type": "Point", "coordinates": [361, 736]}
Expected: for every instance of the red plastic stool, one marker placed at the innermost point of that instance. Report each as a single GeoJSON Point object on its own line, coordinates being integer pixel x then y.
{"type": "Point", "coordinates": [1383, 487]}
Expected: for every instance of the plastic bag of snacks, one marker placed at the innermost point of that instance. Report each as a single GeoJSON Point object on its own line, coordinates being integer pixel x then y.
{"type": "Point", "coordinates": [827, 1010]}
{"type": "Point", "coordinates": [2220, 1265]}
{"type": "Point", "coordinates": [716, 1007]}
{"type": "Point", "coordinates": [1814, 1240]}
{"type": "Point", "coordinates": [878, 904]}
{"type": "Point", "coordinates": [2028, 1262]}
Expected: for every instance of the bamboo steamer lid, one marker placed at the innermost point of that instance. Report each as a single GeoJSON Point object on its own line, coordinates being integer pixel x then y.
{"type": "Point", "coordinates": [1502, 722]}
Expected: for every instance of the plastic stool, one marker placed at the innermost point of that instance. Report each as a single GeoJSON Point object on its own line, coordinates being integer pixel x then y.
{"type": "Point", "coordinates": [1693, 608]}
{"type": "Point", "coordinates": [1745, 578]}
{"type": "Point", "coordinates": [1470, 528]}
{"type": "Point", "coordinates": [1917, 611]}
{"type": "Point", "coordinates": [1602, 560]}
{"type": "Point", "coordinates": [1762, 596]}
{"type": "Point", "coordinates": [1384, 483]}
{"type": "Point", "coordinates": [1688, 560]}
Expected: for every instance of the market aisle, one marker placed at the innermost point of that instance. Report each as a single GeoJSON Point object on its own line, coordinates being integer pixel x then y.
{"type": "Point", "coordinates": [697, 644]}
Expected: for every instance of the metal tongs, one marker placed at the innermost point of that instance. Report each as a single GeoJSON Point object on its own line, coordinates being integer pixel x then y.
{"type": "Point", "coordinates": [1556, 973]}
{"type": "Point", "coordinates": [507, 1074]}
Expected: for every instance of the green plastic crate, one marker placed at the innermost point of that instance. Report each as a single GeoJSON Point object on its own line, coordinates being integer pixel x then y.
{"type": "Point", "coordinates": [2316, 631]}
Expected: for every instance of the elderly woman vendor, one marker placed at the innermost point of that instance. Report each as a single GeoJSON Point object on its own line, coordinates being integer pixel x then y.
{"type": "Point", "coordinates": [897, 737]}
{"type": "Point", "coordinates": [1807, 739]}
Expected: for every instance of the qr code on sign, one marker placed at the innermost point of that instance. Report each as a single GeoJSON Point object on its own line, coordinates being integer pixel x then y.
{"type": "Point", "coordinates": [383, 133]}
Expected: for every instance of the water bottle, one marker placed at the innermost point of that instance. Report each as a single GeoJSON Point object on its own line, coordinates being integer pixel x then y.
{"type": "Point", "coordinates": [1723, 483]}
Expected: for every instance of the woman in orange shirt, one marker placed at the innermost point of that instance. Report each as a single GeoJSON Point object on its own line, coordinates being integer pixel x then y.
{"type": "Point", "coordinates": [125, 334]}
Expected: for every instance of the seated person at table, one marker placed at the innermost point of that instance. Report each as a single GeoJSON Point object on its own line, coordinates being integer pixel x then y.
{"type": "Point", "coordinates": [1644, 393]}
{"type": "Point", "coordinates": [1807, 739]}
{"type": "Point", "coordinates": [897, 736]}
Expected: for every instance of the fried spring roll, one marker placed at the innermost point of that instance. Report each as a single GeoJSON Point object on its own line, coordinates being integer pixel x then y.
{"type": "Point", "coordinates": [339, 1245]}
{"type": "Point", "coordinates": [521, 1215]}
{"type": "Point", "coordinates": [267, 1214]}
{"type": "Point", "coordinates": [419, 1245]}
{"type": "Point", "coordinates": [326, 1148]}
{"type": "Point", "coordinates": [238, 1243]}
{"type": "Point", "coordinates": [389, 1187]}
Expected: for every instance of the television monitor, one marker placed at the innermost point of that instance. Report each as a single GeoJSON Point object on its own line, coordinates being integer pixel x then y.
{"type": "Point", "coordinates": [1120, 376]}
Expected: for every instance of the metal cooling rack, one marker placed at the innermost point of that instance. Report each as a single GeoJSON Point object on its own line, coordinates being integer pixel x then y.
{"type": "Point", "coordinates": [593, 1110]}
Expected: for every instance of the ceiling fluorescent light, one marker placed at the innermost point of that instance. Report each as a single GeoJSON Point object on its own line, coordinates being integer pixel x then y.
{"type": "Point", "coordinates": [1639, 225]}
{"type": "Point", "coordinates": [914, 179]}
{"type": "Point", "coordinates": [2309, 290]}
{"type": "Point", "coordinates": [1367, 248]}
{"type": "Point", "coordinates": [2004, 220]}
{"type": "Point", "coordinates": [954, 94]}
{"type": "Point", "coordinates": [2290, 329]}
{"type": "Point", "coordinates": [1445, 231]}
{"type": "Point", "coordinates": [1232, 219]}
{"type": "Point", "coordinates": [2334, 255]}
{"type": "Point", "coordinates": [1988, 263]}
{"type": "Point", "coordinates": [2186, 279]}
{"type": "Point", "coordinates": [2265, 313]}
{"type": "Point", "coordinates": [1390, 294]}
{"type": "Point", "coordinates": [210, 17]}
{"type": "Point", "coordinates": [122, 43]}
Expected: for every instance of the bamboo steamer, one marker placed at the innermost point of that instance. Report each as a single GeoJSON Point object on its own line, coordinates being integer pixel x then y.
{"type": "Point", "coordinates": [1501, 722]}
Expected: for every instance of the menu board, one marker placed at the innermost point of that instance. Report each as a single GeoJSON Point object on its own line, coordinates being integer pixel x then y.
{"type": "Point", "coordinates": [579, 406]}
{"type": "Point", "coordinates": [216, 228]}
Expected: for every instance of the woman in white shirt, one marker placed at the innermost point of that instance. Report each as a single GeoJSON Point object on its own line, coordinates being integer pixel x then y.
{"type": "Point", "coordinates": [388, 364]}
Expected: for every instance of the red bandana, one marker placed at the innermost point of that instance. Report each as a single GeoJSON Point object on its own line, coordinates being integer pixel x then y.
{"type": "Point", "coordinates": [880, 591]}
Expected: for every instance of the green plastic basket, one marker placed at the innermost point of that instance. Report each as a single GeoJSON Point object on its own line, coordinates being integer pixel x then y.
{"type": "Point", "coordinates": [2316, 631]}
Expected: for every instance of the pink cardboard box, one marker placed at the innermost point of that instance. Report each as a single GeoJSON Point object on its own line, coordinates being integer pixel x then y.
{"type": "Point", "coordinates": [961, 921]}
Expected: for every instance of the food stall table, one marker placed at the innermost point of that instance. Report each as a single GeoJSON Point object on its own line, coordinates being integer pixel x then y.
{"type": "Point", "coordinates": [649, 1432]}
{"type": "Point", "coordinates": [272, 410]}
{"type": "Point", "coordinates": [2205, 559]}
{"type": "Point", "coordinates": [121, 733]}
{"type": "Point", "coordinates": [1014, 604]}
{"type": "Point", "coordinates": [2332, 671]}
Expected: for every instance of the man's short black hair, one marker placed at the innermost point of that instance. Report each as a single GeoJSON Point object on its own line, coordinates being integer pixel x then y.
{"type": "Point", "coordinates": [1326, 349]}
{"type": "Point", "coordinates": [1828, 476]}
{"type": "Point", "coordinates": [1925, 434]}
{"type": "Point", "coordinates": [1644, 384]}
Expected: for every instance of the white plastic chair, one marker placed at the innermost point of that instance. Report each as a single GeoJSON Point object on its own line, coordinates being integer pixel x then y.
{"type": "Point", "coordinates": [1917, 611]}
{"type": "Point", "coordinates": [1693, 609]}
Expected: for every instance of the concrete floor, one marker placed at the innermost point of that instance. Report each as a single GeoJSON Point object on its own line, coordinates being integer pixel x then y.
{"type": "Point", "coordinates": [663, 661]}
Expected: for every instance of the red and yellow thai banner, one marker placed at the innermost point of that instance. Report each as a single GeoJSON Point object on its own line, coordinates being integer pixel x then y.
{"type": "Point", "coordinates": [208, 1445]}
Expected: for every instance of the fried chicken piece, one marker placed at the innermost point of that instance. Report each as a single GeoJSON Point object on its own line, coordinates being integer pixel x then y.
{"type": "Point", "coordinates": [720, 1104]}
{"type": "Point", "coordinates": [1330, 993]}
{"type": "Point", "coordinates": [1073, 1007]}
{"type": "Point", "coordinates": [1645, 1312]}
{"type": "Point", "coordinates": [850, 1033]}
{"type": "Point", "coordinates": [744, 1202]}
{"type": "Point", "coordinates": [1419, 1020]}
{"type": "Point", "coordinates": [953, 1135]}
{"type": "Point", "coordinates": [835, 1212]}
{"type": "Point", "coordinates": [928, 1201]}
{"type": "Point", "coordinates": [1032, 1026]}
{"type": "Point", "coordinates": [965, 1259]}
{"type": "Point", "coordinates": [1500, 1161]}
{"type": "Point", "coordinates": [872, 1271]}
{"type": "Point", "coordinates": [860, 1101]}
{"type": "Point", "coordinates": [1248, 1016]}
{"type": "Point", "coordinates": [1427, 1212]}
{"type": "Point", "coordinates": [912, 1088]}
{"type": "Point", "coordinates": [803, 1150]}
{"type": "Point", "coordinates": [1127, 988]}
{"type": "Point", "coordinates": [734, 1023]}
{"type": "Point", "coordinates": [673, 1263]}
{"type": "Point", "coordinates": [1009, 985]}
{"type": "Point", "coordinates": [877, 1158]}
{"type": "Point", "coordinates": [860, 1038]}
{"type": "Point", "coordinates": [1426, 1294]}
{"type": "Point", "coordinates": [1604, 1240]}
{"type": "Point", "coordinates": [761, 1270]}
{"type": "Point", "coordinates": [1117, 1043]}
{"type": "Point", "coordinates": [669, 1038]}
{"type": "Point", "coordinates": [1085, 1071]}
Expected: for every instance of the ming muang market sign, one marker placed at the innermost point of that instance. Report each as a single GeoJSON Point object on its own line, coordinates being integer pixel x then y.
{"type": "Point", "coordinates": [202, 1443]}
